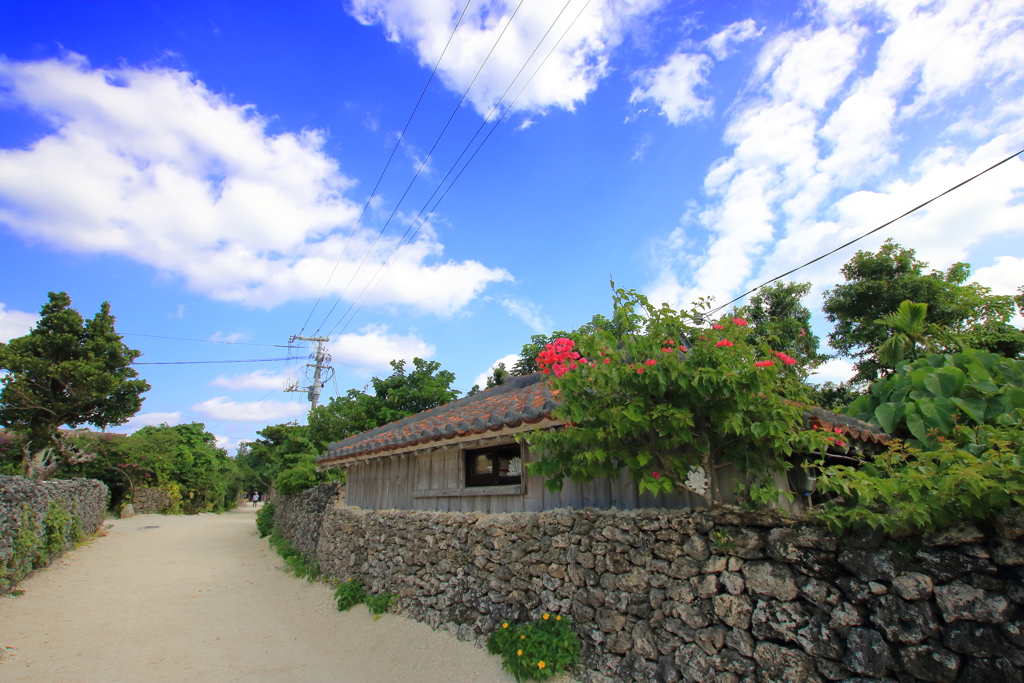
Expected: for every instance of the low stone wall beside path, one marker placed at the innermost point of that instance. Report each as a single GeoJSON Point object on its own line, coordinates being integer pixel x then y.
{"type": "Point", "coordinates": [711, 597]}
{"type": "Point", "coordinates": [147, 500]}
{"type": "Point", "coordinates": [86, 499]}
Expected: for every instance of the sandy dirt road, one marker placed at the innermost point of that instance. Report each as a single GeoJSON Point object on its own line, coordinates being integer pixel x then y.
{"type": "Point", "coordinates": [202, 598]}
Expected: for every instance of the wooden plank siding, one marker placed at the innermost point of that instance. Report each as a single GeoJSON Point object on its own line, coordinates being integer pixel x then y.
{"type": "Point", "coordinates": [400, 482]}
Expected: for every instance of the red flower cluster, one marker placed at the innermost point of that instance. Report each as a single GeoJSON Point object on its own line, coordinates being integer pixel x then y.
{"type": "Point", "coordinates": [718, 327]}
{"type": "Point", "coordinates": [655, 475]}
{"type": "Point", "coordinates": [650, 361]}
{"type": "Point", "coordinates": [739, 321]}
{"type": "Point", "coordinates": [558, 357]}
{"type": "Point", "coordinates": [785, 358]}
{"type": "Point", "coordinates": [724, 342]}
{"type": "Point", "coordinates": [764, 364]}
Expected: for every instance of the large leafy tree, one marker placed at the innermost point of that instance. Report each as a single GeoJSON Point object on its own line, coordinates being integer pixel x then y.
{"type": "Point", "coordinates": [284, 457]}
{"type": "Point", "coordinates": [672, 402]}
{"type": "Point", "coordinates": [876, 283]}
{"type": "Point", "coordinates": [67, 371]}
{"type": "Point", "coordinates": [400, 394]}
{"type": "Point", "coordinates": [777, 316]}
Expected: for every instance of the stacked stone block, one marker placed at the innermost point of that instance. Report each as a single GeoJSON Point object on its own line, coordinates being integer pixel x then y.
{"type": "Point", "coordinates": [704, 596]}
{"type": "Point", "coordinates": [146, 500]}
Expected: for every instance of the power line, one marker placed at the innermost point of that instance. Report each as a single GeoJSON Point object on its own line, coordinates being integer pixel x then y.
{"type": "Point", "coordinates": [465, 166]}
{"type": "Point", "coordinates": [869, 232]}
{"type": "Point", "coordinates": [206, 362]}
{"type": "Point", "coordinates": [386, 166]}
{"type": "Point", "coordinates": [421, 166]}
{"type": "Point", "coordinates": [205, 341]}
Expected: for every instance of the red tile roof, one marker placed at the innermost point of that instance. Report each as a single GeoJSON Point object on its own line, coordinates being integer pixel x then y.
{"type": "Point", "coordinates": [521, 400]}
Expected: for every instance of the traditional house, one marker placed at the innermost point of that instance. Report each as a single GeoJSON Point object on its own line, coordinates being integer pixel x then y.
{"type": "Point", "coordinates": [463, 456]}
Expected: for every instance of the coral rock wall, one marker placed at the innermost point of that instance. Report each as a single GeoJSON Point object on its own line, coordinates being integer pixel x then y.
{"type": "Point", "coordinates": [681, 595]}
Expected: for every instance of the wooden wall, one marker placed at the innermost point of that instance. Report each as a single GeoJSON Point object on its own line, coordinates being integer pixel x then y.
{"type": "Point", "coordinates": [399, 482]}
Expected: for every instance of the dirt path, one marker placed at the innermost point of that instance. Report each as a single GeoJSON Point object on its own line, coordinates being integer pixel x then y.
{"type": "Point", "coordinates": [201, 598]}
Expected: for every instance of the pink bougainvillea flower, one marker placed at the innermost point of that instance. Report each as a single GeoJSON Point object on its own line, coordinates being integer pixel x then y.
{"type": "Point", "coordinates": [639, 371]}
{"type": "Point", "coordinates": [724, 342]}
{"type": "Point", "coordinates": [837, 430]}
{"type": "Point", "coordinates": [650, 361]}
{"type": "Point", "coordinates": [583, 360]}
{"type": "Point", "coordinates": [718, 327]}
{"type": "Point", "coordinates": [665, 349]}
{"type": "Point", "coordinates": [764, 364]}
{"type": "Point", "coordinates": [683, 349]}
{"type": "Point", "coordinates": [803, 332]}
{"type": "Point", "coordinates": [607, 360]}
{"type": "Point", "coordinates": [656, 475]}
{"type": "Point", "coordinates": [841, 444]}
{"type": "Point", "coordinates": [739, 321]}
{"type": "Point", "coordinates": [785, 358]}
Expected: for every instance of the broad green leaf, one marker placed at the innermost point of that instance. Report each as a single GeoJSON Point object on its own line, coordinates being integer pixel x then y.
{"type": "Point", "coordinates": [983, 386]}
{"type": "Point", "coordinates": [974, 407]}
{"type": "Point", "coordinates": [915, 423]}
{"type": "Point", "coordinates": [889, 415]}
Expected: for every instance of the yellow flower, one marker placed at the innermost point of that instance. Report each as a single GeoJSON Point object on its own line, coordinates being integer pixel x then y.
{"type": "Point", "coordinates": [522, 637]}
{"type": "Point", "coordinates": [520, 653]}
{"type": "Point", "coordinates": [558, 618]}
{"type": "Point", "coordinates": [505, 625]}
{"type": "Point", "coordinates": [546, 617]}
{"type": "Point", "coordinates": [540, 665]}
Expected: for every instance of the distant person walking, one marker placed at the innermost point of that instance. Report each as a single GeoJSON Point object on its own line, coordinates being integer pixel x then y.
{"type": "Point", "coordinates": [255, 499]}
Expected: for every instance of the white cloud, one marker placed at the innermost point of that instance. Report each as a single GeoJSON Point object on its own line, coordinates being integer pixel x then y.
{"type": "Point", "coordinates": [741, 31]}
{"type": "Point", "coordinates": [374, 347]}
{"type": "Point", "coordinates": [572, 72]}
{"type": "Point", "coordinates": [230, 338]}
{"type": "Point", "coordinates": [673, 87]}
{"type": "Point", "coordinates": [223, 408]}
{"type": "Point", "coordinates": [149, 419]}
{"type": "Point", "coordinates": [15, 323]}
{"type": "Point", "coordinates": [257, 379]}
{"type": "Point", "coordinates": [509, 361]}
{"type": "Point", "coordinates": [835, 370]}
{"type": "Point", "coordinates": [826, 144]}
{"type": "Point", "coordinates": [1005, 276]}
{"type": "Point", "coordinates": [529, 313]}
{"type": "Point", "coordinates": [150, 164]}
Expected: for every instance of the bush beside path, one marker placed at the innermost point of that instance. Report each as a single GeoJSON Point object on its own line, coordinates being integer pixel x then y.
{"type": "Point", "coordinates": [201, 598]}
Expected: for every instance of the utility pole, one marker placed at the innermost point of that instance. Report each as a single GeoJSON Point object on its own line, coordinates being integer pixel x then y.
{"type": "Point", "coordinates": [322, 358]}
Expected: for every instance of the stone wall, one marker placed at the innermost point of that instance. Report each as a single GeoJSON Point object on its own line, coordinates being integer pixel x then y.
{"type": "Point", "coordinates": [147, 500]}
{"type": "Point", "coordinates": [712, 597]}
{"type": "Point", "coordinates": [85, 498]}
{"type": "Point", "coordinates": [299, 518]}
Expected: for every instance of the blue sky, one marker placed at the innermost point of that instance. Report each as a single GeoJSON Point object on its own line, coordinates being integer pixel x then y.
{"type": "Point", "coordinates": [203, 167]}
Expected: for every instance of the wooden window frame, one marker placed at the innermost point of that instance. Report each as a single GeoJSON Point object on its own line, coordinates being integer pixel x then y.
{"type": "Point", "coordinates": [492, 480]}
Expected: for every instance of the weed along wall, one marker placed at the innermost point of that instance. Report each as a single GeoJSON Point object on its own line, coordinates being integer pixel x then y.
{"type": "Point", "coordinates": [682, 595]}
{"type": "Point", "coordinates": [41, 519]}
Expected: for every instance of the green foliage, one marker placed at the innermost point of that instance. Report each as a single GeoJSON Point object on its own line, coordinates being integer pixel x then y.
{"type": "Point", "coordinates": [498, 376]}
{"type": "Point", "coordinates": [834, 396]}
{"type": "Point", "coordinates": [284, 457]}
{"type": "Point", "coordinates": [56, 532]}
{"type": "Point", "coordinates": [538, 650]}
{"type": "Point", "coordinates": [876, 284]}
{"type": "Point", "coordinates": [911, 335]}
{"type": "Point", "coordinates": [905, 489]}
{"type": "Point", "coordinates": [265, 520]}
{"type": "Point", "coordinates": [396, 396]}
{"type": "Point", "coordinates": [778, 317]}
{"type": "Point", "coordinates": [962, 417]}
{"type": "Point", "coordinates": [66, 371]}
{"type": "Point", "coordinates": [671, 417]}
{"type": "Point", "coordinates": [380, 603]}
{"type": "Point", "coordinates": [938, 397]}
{"type": "Point", "coordinates": [299, 565]}
{"type": "Point", "coordinates": [527, 363]}
{"type": "Point", "coordinates": [37, 542]}
{"type": "Point", "coordinates": [349, 593]}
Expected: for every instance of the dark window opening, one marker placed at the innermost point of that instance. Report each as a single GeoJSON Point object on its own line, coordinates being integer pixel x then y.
{"type": "Point", "coordinates": [497, 466]}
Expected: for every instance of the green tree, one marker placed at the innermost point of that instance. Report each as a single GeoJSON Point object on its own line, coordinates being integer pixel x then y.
{"type": "Point", "coordinates": [911, 335]}
{"type": "Point", "coordinates": [778, 317]}
{"type": "Point", "coordinates": [672, 403]}
{"type": "Point", "coordinates": [527, 363]}
{"type": "Point", "coordinates": [284, 457]}
{"type": "Point", "coordinates": [66, 372]}
{"type": "Point", "coordinates": [498, 376]}
{"type": "Point", "coordinates": [396, 396]}
{"type": "Point", "coordinates": [875, 285]}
